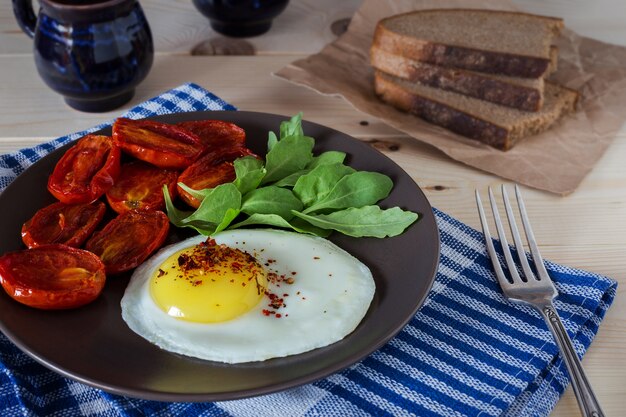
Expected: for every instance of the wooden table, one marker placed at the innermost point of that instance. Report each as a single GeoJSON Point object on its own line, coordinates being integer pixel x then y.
{"type": "Point", "coordinates": [585, 230]}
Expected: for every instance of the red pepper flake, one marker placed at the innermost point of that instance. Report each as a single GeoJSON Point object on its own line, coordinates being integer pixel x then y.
{"type": "Point", "coordinates": [197, 282]}
{"type": "Point", "coordinates": [161, 273]}
{"type": "Point", "coordinates": [293, 273]}
{"type": "Point", "coordinates": [278, 315]}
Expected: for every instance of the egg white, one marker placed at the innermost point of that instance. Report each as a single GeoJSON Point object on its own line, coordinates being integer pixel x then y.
{"type": "Point", "coordinates": [330, 295]}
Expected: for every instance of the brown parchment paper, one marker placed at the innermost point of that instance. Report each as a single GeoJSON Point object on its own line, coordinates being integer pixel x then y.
{"type": "Point", "coordinates": [556, 161]}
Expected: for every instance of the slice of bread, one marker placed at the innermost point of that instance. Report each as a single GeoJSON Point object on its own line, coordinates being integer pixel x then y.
{"type": "Point", "coordinates": [497, 126]}
{"type": "Point", "coordinates": [520, 93]}
{"type": "Point", "coordinates": [499, 42]}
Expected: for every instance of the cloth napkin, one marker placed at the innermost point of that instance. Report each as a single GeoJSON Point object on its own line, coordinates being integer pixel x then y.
{"type": "Point", "coordinates": [467, 351]}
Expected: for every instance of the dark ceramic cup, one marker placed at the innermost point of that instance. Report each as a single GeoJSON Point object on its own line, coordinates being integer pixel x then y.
{"type": "Point", "coordinates": [241, 18]}
{"type": "Point", "coordinates": [93, 52]}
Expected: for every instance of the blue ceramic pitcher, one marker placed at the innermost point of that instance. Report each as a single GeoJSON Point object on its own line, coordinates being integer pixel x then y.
{"type": "Point", "coordinates": [93, 52]}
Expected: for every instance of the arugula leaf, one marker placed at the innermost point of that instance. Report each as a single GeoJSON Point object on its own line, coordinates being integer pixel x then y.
{"type": "Point", "coordinates": [290, 180]}
{"type": "Point", "coordinates": [358, 189]}
{"type": "Point", "coordinates": [198, 194]}
{"type": "Point", "coordinates": [277, 221]}
{"type": "Point", "coordinates": [271, 140]}
{"type": "Point", "coordinates": [328, 157]}
{"type": "Point", "coordinates": [216, 204]}
{"type": "Point", "coordinates": [271, 200]}
{"type": "Point", "coordinates": [249, 172]}
{"type": "Point", "coordinates": [175, 215]}
{"type": "Point", "coordinates": [289, 155]}
{"type": "Point", "coordinates": [318, 183]}
{"type": "Point", "coordinates": [368, 221]}
{"type": "Point", "coordinates": [292, 127]}
{"type": "Point", "coordinates": [229, 216]}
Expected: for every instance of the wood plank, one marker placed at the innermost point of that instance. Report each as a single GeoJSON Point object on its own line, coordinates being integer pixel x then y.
{"type": "Point", "coordinates": [304, 27]}
{"type": "Point", "coordinates": [228, 77]}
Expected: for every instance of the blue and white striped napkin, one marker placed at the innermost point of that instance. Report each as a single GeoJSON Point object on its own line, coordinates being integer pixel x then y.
{"type": "Point", "coordinates": [467, 351]}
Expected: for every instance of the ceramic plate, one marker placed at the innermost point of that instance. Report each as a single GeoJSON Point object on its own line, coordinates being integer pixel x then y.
{"type": "Point", "coordinates": [93, 344]}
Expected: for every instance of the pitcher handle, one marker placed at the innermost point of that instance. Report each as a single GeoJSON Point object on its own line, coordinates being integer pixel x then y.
{"type": "Point", "coordinates": [25, 16]}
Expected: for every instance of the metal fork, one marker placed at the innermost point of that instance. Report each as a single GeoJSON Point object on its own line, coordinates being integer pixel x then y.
{"type": "Point", "coordinates": [536, 290]}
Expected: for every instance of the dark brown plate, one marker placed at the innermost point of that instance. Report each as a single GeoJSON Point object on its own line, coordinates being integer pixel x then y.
{"type": "Point", "coordinates": [93, 344]}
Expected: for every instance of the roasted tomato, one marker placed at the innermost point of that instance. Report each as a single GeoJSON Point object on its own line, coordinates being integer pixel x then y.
{"type": "Point", "coordinates": [166, 146]}
{"type": "Point", "coordinates": [69, 224]}
{"type": "Point", "coordinates": [86, 171]}
{"type": "Point", "coordinates": [52, 277]}
{"type": "Point", "coordinates": [128, 240]}
{"type": "Point", "coordinates": [211, 170]}
{"type": "Point", "coordinates": [216, 134]}
{"type": "Point", "coordinates": [139, 186]}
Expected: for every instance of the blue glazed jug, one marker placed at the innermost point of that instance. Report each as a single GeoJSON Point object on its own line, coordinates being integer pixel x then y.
{"type": "Point", "coordinates": [93, 52]}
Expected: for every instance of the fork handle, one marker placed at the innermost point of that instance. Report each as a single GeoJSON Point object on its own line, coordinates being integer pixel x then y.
{"type": "Point", "coordinates": [582, 389]}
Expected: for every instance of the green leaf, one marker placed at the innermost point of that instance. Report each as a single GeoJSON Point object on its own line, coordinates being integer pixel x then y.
{"type": "Point", "coordinates": [271, 200]}
{"type": "Point", "coordinates": [289, 155]}
{"type": "Point", "coordinates": [327, 158]}
{"type": "Point", "coordinates": [176, 216]}
{"type": "Point", "coordinates": [271, 140]}
{"type": "Point", "coordinates": [229, 216]}
{"type": "Point", "coordinates": [216, 204]}
{"type": "Point", "coordinates": [277, 221]}
{"type": "Point", "coordinates": [358, 189]}
{"type": "Point", "coordinates": [293, 127]}
{"type": "Point", "coordinates": [368, 221]}
{"type": "Point", "coordinates": [318, 183]}
{"type": "Point", "coordinates": [198, 194]}
{"type": "Point", "coordinates": [290, 180]}
{"type": "Point", "coordinates": [249, 172]}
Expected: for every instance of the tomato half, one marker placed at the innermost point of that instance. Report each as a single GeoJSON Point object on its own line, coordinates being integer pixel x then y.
{"type": "Point", "coordinates": [52, 277]}
{"type": "Point", "coordinates": [209, 171]}
{"type": "Point", "coordinates": [164, 145]}
{"type": "Point", "coordinates": [69, 224]}
{"type": "Point", "coordinates": [86, 170]}
{"type": "Point", "coordinates": [128, 240]}
{"type": "Point", "coordinates": [216, 134]}
{"type": "Point", "coordinates": [139, 186]}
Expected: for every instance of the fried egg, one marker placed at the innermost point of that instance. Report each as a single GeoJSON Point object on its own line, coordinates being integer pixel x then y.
{"type": "Point", "coordinates": [247, 295]}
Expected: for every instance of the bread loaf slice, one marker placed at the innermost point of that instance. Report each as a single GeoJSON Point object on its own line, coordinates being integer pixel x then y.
{"type": "Point", "coordinates": [497, 126]}
{"type": "Point", "coordinates": [520, 93]}
{"type": "Point", "coordinates": [498, 42]}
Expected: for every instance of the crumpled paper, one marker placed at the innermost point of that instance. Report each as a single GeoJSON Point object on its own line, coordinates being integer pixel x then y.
{"type": "Point", "coordinates": [556, 160]}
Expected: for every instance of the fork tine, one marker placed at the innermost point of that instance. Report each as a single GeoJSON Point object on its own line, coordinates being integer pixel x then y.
{"type": "Point", "coordinates": [503, 240]}
{"type": "Point", "coordinates": [521, 252]}
{"type": "Point", "coordinates": [490, 248]}
{"type": "Point", "coordinates": [530, 236]}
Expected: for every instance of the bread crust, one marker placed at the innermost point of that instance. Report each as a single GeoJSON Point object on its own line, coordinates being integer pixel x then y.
{"type": "Point", "coordinates": [484, 87]}
{"type": "Point", "coordinates": [515, 65]}
{"type": "Point", "coordinates": [459, 121]}
{"type": "Point", "coordinates": [462, 57]}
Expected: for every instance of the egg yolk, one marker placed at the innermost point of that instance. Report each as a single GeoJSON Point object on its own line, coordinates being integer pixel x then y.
{"type": "Point", "coordinates": [208, 283]}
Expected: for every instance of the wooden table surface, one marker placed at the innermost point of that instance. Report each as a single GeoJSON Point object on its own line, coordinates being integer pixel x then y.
{"type": "Point", "coordinates": [586, 229]}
